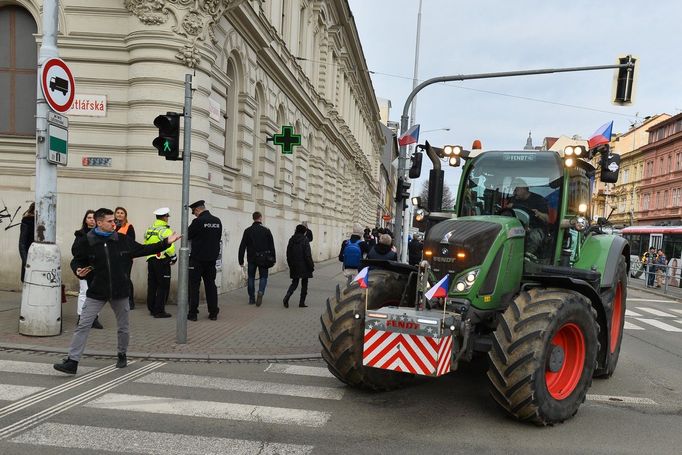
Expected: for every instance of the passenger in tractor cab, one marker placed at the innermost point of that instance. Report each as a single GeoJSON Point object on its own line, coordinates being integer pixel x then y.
{"type": "Point", "coordinates": [536, 207]}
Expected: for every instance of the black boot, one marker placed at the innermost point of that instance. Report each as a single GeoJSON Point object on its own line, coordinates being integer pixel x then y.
{"type": "Point", "coordinates": [67, 366]}
{"type": "Point", "coordinates": [122, 360]}
{"type": "Point", "coordinates": [96, 324]}
{"type": "Point", "coordinates": [301, 302]}
{"type": "Point", "coordinates": [286, 300]}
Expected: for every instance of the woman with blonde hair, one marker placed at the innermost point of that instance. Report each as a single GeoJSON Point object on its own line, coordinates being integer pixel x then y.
{"type": "Point", "coordinates": [123, 226]}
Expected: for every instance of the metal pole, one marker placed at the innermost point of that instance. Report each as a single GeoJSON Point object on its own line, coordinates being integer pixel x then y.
{"type": "Point", "coordinates": [46, 173]}
{"type": "Point", "coordinates": [404, 118]}
{"type": "Point", "coordinates": [183, 263]}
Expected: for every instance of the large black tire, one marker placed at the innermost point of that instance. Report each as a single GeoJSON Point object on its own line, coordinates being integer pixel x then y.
{"type": "Point", "coordinates": [614, 303]}
{"type": "Point", "coordinates": [525, 349]}
{"type": "Point", "coordinates": [342, 334]}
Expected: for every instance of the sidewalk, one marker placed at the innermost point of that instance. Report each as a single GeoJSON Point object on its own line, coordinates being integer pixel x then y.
{"type": "Point", "coordinates": [242, 331]}
{"type": "Point", "coordinates": [670, 292]}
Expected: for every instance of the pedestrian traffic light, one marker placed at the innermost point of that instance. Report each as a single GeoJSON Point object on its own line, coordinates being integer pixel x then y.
{"type": "Point", "coordinates": [402, 193]}
{"type": "Point", "coordinates": [168, 141]}
{"type": "Point", "coordinates": [416, 169]}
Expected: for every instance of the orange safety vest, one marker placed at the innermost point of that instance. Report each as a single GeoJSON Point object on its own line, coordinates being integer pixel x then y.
{"type": "Point", "coordinates": [124, 229]}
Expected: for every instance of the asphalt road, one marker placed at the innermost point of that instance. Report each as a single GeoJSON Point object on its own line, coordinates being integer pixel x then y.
{"type": "Point", "coordinates": [195, 407]}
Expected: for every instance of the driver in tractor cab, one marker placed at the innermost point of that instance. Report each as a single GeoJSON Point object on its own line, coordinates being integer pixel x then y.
{"type": "Point", "coordinates": [538, 212]}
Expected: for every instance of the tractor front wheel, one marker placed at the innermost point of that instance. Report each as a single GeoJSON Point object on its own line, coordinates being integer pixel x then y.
{"type": "Point", "coordinates": [544, 354]}
{"type": "Point", "coordinates": [343, 331]}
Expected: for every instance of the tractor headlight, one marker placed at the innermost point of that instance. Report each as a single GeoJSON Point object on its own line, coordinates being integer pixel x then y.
{"type": "Point", "coordinates": [419, 214]}
{"type": "Point", "coordinates": [580, 223]}
{"type": "Point", "coordinates": [466, 281]}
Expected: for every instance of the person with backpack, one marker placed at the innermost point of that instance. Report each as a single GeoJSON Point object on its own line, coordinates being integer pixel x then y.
{"type": "Point", "coordinates": [353, 250]}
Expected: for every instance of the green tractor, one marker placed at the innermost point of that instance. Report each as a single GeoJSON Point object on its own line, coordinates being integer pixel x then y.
{"type": "Point", "coordinates": [516, 272]}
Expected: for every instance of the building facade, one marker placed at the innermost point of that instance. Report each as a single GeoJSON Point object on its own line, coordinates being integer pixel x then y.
{"type": "Point", "coordinates": [256, 66]}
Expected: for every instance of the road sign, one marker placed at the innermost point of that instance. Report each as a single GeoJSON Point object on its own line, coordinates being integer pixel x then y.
{"type": "Point", "coordinates": [287, 140]}
{"type": "Point", "coordinates": [58, 84]}
{"type": "Point", "coordinates": [58, 142]}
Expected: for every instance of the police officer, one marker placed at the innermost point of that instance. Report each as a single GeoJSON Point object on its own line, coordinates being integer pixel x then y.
{"type": "Point", "coordinates": [159, 265]}
{"type": "Point", "coordinates": [204, 232]}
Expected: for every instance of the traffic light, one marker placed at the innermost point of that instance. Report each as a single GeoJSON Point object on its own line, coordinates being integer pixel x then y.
{"type": "Point", "coordinates": [416, 169]}
{"type": "Point", "coordinates": [168, 141]}
{"type": "Point", "coordinates": [402, 192]}
{"type": "Point", "coordinates": [624, 81]}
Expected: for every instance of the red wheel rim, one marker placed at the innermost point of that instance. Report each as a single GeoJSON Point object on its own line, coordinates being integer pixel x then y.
{"type": "Point", "coordinates": [616, 313]}
{"type": "Point", "coordinates": [562, 383]}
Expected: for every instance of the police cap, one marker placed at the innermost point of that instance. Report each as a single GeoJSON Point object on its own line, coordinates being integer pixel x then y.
{"type": "Point", "coordinates": [199, 203]}
{"type": "Point", "coordinates": [163, 211]}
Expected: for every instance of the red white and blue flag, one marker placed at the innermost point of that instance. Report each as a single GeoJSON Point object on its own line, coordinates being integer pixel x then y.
{"type": "Point", "coordinates": [411, 136]}
{"type": "Point", "coordinates": [601, 136]}
{"type": "Point", "coordinates": [439, 289]}
{"type": "Point", "coordinates": [362, 278]}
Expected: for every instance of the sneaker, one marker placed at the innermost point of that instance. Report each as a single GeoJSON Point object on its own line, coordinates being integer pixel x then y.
{"type": "Point", "coordinates": [191, 317]}
{"type": "Point", "coordinates": [122, 360]}
{"type": "Point", "coordinates": [259, 299]}
{"type": "Point", "coordinates": [252, 301]}
{"type": "Point", "coordinates": [68, 366]}
{"type": "Point", "coordinates": [96, 324]}
{"type": "Point", "coordinates": [213, 317]}
{"type": "Point", "coordinates": [163, 315]}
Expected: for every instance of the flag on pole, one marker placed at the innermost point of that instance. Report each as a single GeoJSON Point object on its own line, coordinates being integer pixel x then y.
{"type": "Point", "coordinates": [362, 278]}
{"type": "Point", "coordinates": [601, 136]}
{"type": "Point", "coordinates": [411, 136]}
{"type": "Point", "coordinates": [440, 289]}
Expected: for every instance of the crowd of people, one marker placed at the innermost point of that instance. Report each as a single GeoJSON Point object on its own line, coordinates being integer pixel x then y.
{"type": "Point", "coordinates": [655, 265]}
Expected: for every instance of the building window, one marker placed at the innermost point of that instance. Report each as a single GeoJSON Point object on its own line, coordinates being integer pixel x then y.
{"type": "Point", "coordinates": [626, 173]}
{"type": "Point", "coordinates": [661, 169]}
{"type": "Point", "coordinates": [678, 163]}
{"type": "Point", "coordinates": [645, 202]}
{"type": "Point", "coordinates": [18, 63]}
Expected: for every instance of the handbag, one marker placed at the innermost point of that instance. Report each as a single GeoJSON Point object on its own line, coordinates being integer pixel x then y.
{"type": "Point", "coordinates": [265, 259]}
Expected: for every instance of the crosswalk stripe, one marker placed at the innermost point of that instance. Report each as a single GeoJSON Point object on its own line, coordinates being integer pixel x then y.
{"type": "Point", "coordinates": [656, 312]}
{"type": "Point", "coordinates": [211, 409]}
{"type": "Point", "coordinates": [299, 370]}
{"type": "Point", "coordinates": [239, 385]}
{"type": "Point", "coordinates": [677, 311]}
{"type": "Point", "coordinates": [649, 300]}
{"type": "Point", "coordinates": [148, 442]}
{"type": "Point", "coordinates": [15, 366]}
{"type": "Point", "coordinates": [617, 399]}
{"type": "Point", "coordinates": [631, 326]}
{"type": "Point", "coordinates": [631, 313]}
{"type": "Point", "coordinates": [11, 392]}
{"type": "Point", "coordinates": [679, 321]}
{"type": "Point", "coordinates": [660, 324]}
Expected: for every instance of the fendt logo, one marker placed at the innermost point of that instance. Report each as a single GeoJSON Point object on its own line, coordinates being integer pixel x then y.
{"type": "Point", "coordinates": [402, 324]}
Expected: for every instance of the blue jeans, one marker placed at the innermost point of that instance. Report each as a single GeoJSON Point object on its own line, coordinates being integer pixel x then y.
{"type": "Point", "coordinates": [251, 282]}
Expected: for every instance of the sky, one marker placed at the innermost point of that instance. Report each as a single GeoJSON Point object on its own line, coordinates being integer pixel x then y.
{"type": "Point", "coordinates": [464, 37]}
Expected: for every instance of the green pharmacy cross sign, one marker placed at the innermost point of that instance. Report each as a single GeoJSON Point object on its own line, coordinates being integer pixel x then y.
{"type": "Point", "coordinates": [287, 139]}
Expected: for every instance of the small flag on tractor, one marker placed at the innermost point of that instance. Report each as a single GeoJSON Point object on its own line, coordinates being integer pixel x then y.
{"type": "Point", "coordinates": [601, 136]}
{"type": "Point", "coordinates": [362, 278]}
{"type": "Point", "coordinates": [439, 289]}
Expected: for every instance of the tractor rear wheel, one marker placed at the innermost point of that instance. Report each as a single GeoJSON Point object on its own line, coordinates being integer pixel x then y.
{"type": "Point", "coordinates": [543, 356]}
{"type": "Point", "coordinates": [343, 331]}
{"type": "Point", "coordinates": [614, 301]}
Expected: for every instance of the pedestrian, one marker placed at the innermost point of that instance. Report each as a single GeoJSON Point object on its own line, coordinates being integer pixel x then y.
{"type": "Point", "coordinates": [661, 268]}
{"type": "Point", "coordinates": [649, 260]}
{"type": "Point", "coordinates": [159, 264]}
{"type": "Point", "coordinates": [308, 232]}
{"type": "Point", "coordinates": [369, 239]}
{"type": "Point", "coordinates": [414, 250]}
{"type": "Point", "coordinates": [26, 235]}
{"type": "Point", "coordinates": [87, 225]}
{"type": "Point", "coordinates": [674, 280]}
{"type": "Point", "coordinates": [259, 246]}
{"type": "Point", "coordinates": [103, 254]}
{"type": "Point", "coordinates": [383, 250]}
{"type": "Point", "coordinates": [204, 233]}
{"type": "Point", "coordinates": [124, 227]}
{"type": "Point", "coordinates": [301, 265]}
{"type": "Point", "coordinates": [353, 250]}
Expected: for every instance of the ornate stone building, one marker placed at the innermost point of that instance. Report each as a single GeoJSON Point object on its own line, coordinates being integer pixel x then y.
{"type": "Point", "coordinates": [257, 65]}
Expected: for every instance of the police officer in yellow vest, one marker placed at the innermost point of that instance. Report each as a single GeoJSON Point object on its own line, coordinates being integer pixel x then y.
{"type": "Point", "coordinates": [159, 265]}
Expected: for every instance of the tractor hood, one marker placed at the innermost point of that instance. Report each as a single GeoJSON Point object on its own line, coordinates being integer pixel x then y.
{"type": "Point", "coordinates": [456, 245]}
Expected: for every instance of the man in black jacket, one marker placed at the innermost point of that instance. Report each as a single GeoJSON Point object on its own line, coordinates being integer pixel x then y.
{"type": "Point", "coordinates": [105, 254]}
{"type": "Point", "coordinates": [259, 246]}
{"type": "Point", "coordinates": [204, 232]}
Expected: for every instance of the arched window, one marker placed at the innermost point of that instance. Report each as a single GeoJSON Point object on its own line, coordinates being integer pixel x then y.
{"type": "Point", "coordinates": [18, 62]}
{"type": "Point", "coordinates": [231, 115]}
{"type": "Point", "coordinates": [258, 135]}
{"type": "Point", "coordinates": [281, 121]}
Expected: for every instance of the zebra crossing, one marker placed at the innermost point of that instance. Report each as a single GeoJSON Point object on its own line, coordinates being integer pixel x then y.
{"type": "Point", "coordinates": [249, 402]}
{"type": "Point", "coordinates": [644, 318]}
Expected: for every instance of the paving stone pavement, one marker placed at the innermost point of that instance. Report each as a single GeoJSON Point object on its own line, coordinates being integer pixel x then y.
{"type": "Point", "coordinates": [242, 331]}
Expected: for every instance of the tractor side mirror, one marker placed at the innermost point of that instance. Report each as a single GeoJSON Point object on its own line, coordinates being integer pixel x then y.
{"type": "Point", "coordinates": [610, 166]}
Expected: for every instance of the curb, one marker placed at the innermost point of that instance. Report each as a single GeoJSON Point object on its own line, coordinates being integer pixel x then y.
{"type": "Point", "coordinates": [171, 357]}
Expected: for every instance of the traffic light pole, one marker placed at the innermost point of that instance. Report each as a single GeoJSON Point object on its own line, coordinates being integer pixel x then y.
{"type": "Point", "coordinates": [183, 262]}
{"type": "Point", "coordinates": [404, 122]}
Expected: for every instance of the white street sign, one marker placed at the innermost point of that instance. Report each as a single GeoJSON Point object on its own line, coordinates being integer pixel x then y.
{"type": "Point", "coordinates": [58, 141]}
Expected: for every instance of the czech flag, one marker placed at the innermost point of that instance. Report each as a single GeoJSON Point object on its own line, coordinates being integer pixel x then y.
{"type": "Point", "coordinates": [601, 136]}
{"type": "Point", "coordinates": [440, 289]}
{"type": "Point", "coordinates": [362, 278]}
{"type": "Point", "coordinates": [411, 136]}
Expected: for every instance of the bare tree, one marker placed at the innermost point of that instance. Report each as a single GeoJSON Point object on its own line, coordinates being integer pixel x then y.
{"type": "Point", "coordinates": [449, 198]}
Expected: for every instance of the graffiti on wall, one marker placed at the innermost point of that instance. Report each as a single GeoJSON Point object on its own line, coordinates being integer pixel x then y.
{"type": "Point", "coordinates": [7, 217]}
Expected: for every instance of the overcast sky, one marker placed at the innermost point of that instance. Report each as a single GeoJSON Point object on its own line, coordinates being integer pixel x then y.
{"type": "Point", "coordinates": [462, 37]}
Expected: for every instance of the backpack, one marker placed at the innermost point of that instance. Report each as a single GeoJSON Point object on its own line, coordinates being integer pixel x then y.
{"type": "Point", "coordinates": [352, 254]}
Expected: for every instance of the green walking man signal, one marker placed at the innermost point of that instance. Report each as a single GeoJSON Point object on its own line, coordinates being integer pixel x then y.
{"type": "Point", "coordinates": [168, 141]}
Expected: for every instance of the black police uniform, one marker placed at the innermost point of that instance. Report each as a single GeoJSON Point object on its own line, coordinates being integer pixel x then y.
{"type": "Point", "coordinates": [205, 233]}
